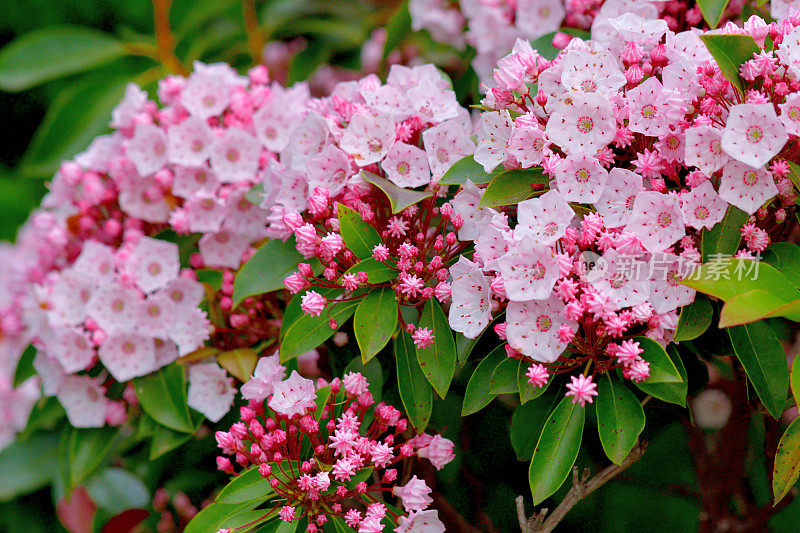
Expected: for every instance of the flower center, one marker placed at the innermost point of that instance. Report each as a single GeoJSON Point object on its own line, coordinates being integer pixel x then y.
{"type": "Point", "coordinates": [209, 101]}
{"type": "Point", "coordinates": [663, 220]}
{"type": "Point", "coordinates": [588, 86]}
{"type": "Point", "coordinates": [551, 228]}
{"type": "Point", "coordinates": [538, 271]}
{"type": "Point", "coordinates": [585, 124]}
{"type": "Point", "coordinates": [232, 156]}
{"type": "Point", "coordinates": [154, 269]}
{"type": "Point", "coordinates": [403, 168]}
{"type": "Point", "coordinates": [375, 145]}
{"type": "Point", "coordinates": [582, 175]}
{"type": "Point", "coordinates": [617, 280]}
{"type": "Point", "coordinates": [750, 178]}
{"type": "Point", "coordinates": [754, 134]}
{"type": "Point", "coordinates": [649, 111]}
{"type": "Point", "coordinates": [543, 323]}
{"type": "Point", "coordinates": [701, 213]}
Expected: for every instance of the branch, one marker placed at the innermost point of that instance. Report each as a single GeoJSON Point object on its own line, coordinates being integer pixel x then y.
{"type": "Point", "coordinates": [164, 38]}
{"type": "Point", "coordinates": [255, 37]}
{"type": "Point", "coordinates": [582, 486]}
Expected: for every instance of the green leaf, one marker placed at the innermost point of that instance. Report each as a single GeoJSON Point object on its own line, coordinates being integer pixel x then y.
{"type": "Point", "coordinates": [505, 378]}
{"type": "Point", "coordinates": [764, 361]}
{"type": "Point", "coordinates": [712, 11]}
{"type": "Point", "coordinates": [77, 115]}
{"type": "Point", "coordinates": [375, 321]}
{"type": "Point", "coordinates": [527, 391]}
{"type": "Point", "coordinates": [730, 51]}
{"type": "Point", "coordinates": [467, 169]}
{"type": "Point", "coordinates": [512, 186]}
{"type": "Point", "coordinates": [50, 53]}
{"type": "Point", "coordinates": [303, 332]}
{"type": "Point", "coordinates": [673, 392]}
{"type": "Point", "coordinates": [116, 490]}
{"type": "Point", "coordinates": [372, 371]}
{"type": "Point", "coordinates": [162, 395]}
{"type": "Point", "coordinates": [165, 439]}
{"type": "Point", "coordinates": [728, 277]}
{"type": "Point", "coordinates": [224, 515]}
{"type": "Point", "coordinates": [323, 395]}
{"type": "Point", "coordinates": [27, 465]}
{"type": "Point", "coordinates": [376, 271]}
{"type": "Point", "coordinates": [694, 319]}
{"type": "Point", "coordinates": [249, 486]}
{"type": "Point", "coordinates": [527, 423]}
{"type": "Point", "coordinates": [785, 257]}
{"type": "Point", "coordinates": [620, 418]}
{"type": "Point", "coordinates": [544, 45]}
{"type": "Point", "coordinates": [415, 390]}
{"type": "Point", "coordinates": [359, 236]}
{"type": "Point", "coordinates": [438, 361]}
{"type": "Point", "coordinates": [239, 362]}
{"type": "Point", "coordinates": [724, 238]}
{"type": "Point", "coordinates": [662, 369]}
{"type": "Point", "coordinates": [477, 395]}
{"type": "Point", "coordinates": [86, 449]}
{"type": "Point", "coordinates": [464, 346]}
{"type": "Point", "coordinates": [756, 305]}
{"type": "Point", "coordinates": [397, 29]}
{"type": "Point", "coordinates": [25, 368]}
{"type": "Point", "coordinates": [787, 462]}
{"type": "Point", "coordinates": [266, 270]}
{"type": "Point", "coordinates": [795, 380]}
{"type": "Point", "coordinates": [556, 450]}
{"type": "Point", "coordinates": [399, 198]}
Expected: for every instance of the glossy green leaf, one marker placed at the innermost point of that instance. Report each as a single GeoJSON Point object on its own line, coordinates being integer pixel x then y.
{"type": "Point", "coordinates": [164, 439]}
{"type": "Point", "coordinates": [785, 257]}
{"type": "Point", "coordinates": [504, 377]}
{"type": "Point", "coordinates": [323, 395]}
{"type": "Point", "coordinates": [477, 395]}
{"type": "Point", "coordinates": [729, 277]}
{"type": "Point", "coordinates": [756, 305]}
{"type": "Point", "coordinates": [795, 380]}
{"type": "Point", "coordinates": [376, 271]}
{"type": "Point", "coordinates": [794, 174]}
{"type": "Point", "coordinates": [225, 515]}
{"type": "Point", "coordinates": [116, 490]}
{"type": "Point", "coordinates": [249, 486]}
{"type": "Point", "coordinates": [464, 346]}
{"type": "Point", "coordinates": [467, 169]}
{"type": "Point", "coordinates": [512, 186]}
{"type": "Point", "coordinates": [620, 418]}
{"type": "Point", "coordinates": [301, 332]}
{"type": "Point", "coordinates": [712, 11]}
{"type": "Point", "coordinates": [86, 449]}
{"type": "Point", "coordinates": [724, 238]}
{"type": "Point", "coordinates": [397, 29]}
{"type": "Point", "coordinates": [415, 390]}
{"type": "Point", "coordinates": [544, 45]}
{"type": "Point", "coordinates": [527, 391]}
{"type": "Point", "coordinates": [556, 450]}
{"type": "Point", "coordinates": [50, 53]}
{"type": "Point", "coordinates": [27, 465]}
{"type": "Point", "coordinates": [25, 368]}
{"type": "Point", "coordinates": [240, 362]}
{"type": "Point", "coordinates": [359, 236]}
{"type": "Point", "coordinates": [662, 369]}
{"type": "Point", "coordinates": [76, 116]}
{"type": "Point", "coordinates": [375, 321]}
{"type": "Point", "coordinates": [764, 361]}
{"type": "Point", "coordinates": [527, 423]}
{"type": "Point", "coordinates": [672, 392]}
{"type": "Point", "coordinates": [787, 462]}
{"type": "Point", "coordinates": [438, 361]}
{"type": "Point", "coordinates": [694, 319]}
{"type": "Point", "coordinates": [399, 198]}
{"type": "Point", "coordinates": [162, 395]}
{"type": "Point", "coordinates": [266, 269]}
{"type": "Point", "coordinates": [730, 51]}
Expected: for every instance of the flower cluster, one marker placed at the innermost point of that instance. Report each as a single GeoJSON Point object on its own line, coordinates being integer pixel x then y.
{"type": "Point", "coordinates": [649, 144]}
{"type": "Point", "coordinates": [332, 454]}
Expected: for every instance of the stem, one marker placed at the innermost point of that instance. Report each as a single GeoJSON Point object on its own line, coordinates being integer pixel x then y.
{"type": "Point", "coordinates": [164, 38]}
{"type": "Point", "coordinates": [582, 486]}
{"type": "Point", "coordinates": [255, 37]}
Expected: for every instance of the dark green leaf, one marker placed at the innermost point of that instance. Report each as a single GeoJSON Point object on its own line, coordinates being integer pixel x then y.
{"type": "Point", "coordinates": [527, 423]}
{"type": "Point", "coordinates": [375, 321]}
{"type": "Point", "coordinates": [266, 270]}
{"type": "Point", "coordinates": [512, 186]}
{"type": "Point", "coordinates": [467, 169]}
{"type": "Point", "coordinates": [415, 390]}
{"type": "Point", "coordinates": [399, 198]}
{"type": "Point", "coordinates": [620, 418]}
{"type": "Point", "coordinates": [795, 380]}
{"type": "Point", "coordinates": [323, 395]}
{"type": "Point", "coordinates": [25, 368]}
{"type": "Point", "coordinates": [165, 439]}
{"type": "Point", "coordinates": [527, 391]}
{"type": "Point", "coordinates": [86, 450]}
{"type": "Point", "coordinates": [724, 238]}
{"type": "Point", "coordinates": [249, 486]}
{"type": "Point", "coordinates": [438, 361]}
{"type": "Point", "coordinates": [544, 45]}
{"type": "Point", "coordinates": [694, 319]}
{"type": "Point", "coordinates": [162, 395]}
{"type": "Point", "coordinates": [359, 236]}
{"type": "Point", "coordinates": [477, 395]}
{"type": "Point", "coordinates": [712, 11]}
{"type": "Point", "coordinates": [785, 257]}
{"type": "Point", "coordinates": [556, 450]}
{"type": "Point", "coordinates": [504, 377]}
{"type": "Point", "coordinates": [764, 360]}
{"type": "Point", "coordinates": [27, 465]}
{"type": "Point", "coordinates": [49, 53]}
{"type": "Point", "coordinates": [221, 515]}
{"type": "Point", "coordinates": [397, 30]}
{"type": "Point", "coordinates": [116, 490]}
{"type": "Point", "coordinates": [377, 272]}
{"type": "Point", "coordinates": [787, 462]}
{"type": "Point", "coordinates": [464, 346]}
{"type": "Point", "coordinates": [662, 369]}
{"type": "Point", "coordinates": [673, 392]}
{"type": "Point", "coordinates": [794, 174]}
{"type": "Point", "coordinates": [730, 51]}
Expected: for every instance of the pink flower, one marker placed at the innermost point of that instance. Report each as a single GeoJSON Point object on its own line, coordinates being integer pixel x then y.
{"type": "Point", "coordinates": [627, 352]}
{"type": "Point", "coordinates": [267, 372]}
{"type": "Point", "coordinates": [313, 303]}
{"type": "Point", "coordinates": [293, 396]}
{"type": "Point", "coordinates": [368, 138]}
{"type": "Point", "coordinates": [615, 204]}
{"type": "Point", "coordinates": [545, 218]}
{"type": "Point", "coordinates": [590, 71]}
{"type": "Point", "coordinates": [423, 337]}
{"type": "Point", "coordinates": [656, 220]}
{"type": "Point", "coordinates": [494, 131]}
{"type": "Point", "coordinates": [537, 375]}
{"type": "Point", "coordinates": [704, 149]}
{"type": "Point", "coordinates": [406, 165]}
{"type": "Point", "coordinates": [532, 328]}
{"type": "Point", "coordinates": [211, 391]}
{"type": "Point", "coordinates": [790, 114]}
{"type": "Point", "coordinates": [581, 178]}
{"type": "Point", "coordinates": [439, 451]}
{"type": "Point", "coordinates": [471, 309]}
{"type": "Point", "coordinates": [529, 271]}
{"type": "Point", "coordinates": [581, 389]}
{"type": "Point", "coordinates": [653, 109]}
{"type": "Point", "coordinates": [414, 495]}
{"type": "Point", "coordinates": [753, 134]}
{"type": "Point", "coordinates": [420, 522]}
{"type": "Point", "coordinates": [702, 207]}
{"type": "Point", "coordinates": [582, 123]}
{"type": "Point", "coordinates": [287, 513]}
{"type": "Point", "coordinates": [637, 371]}
{"type": "Point", "coordinates": [745, 187]}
